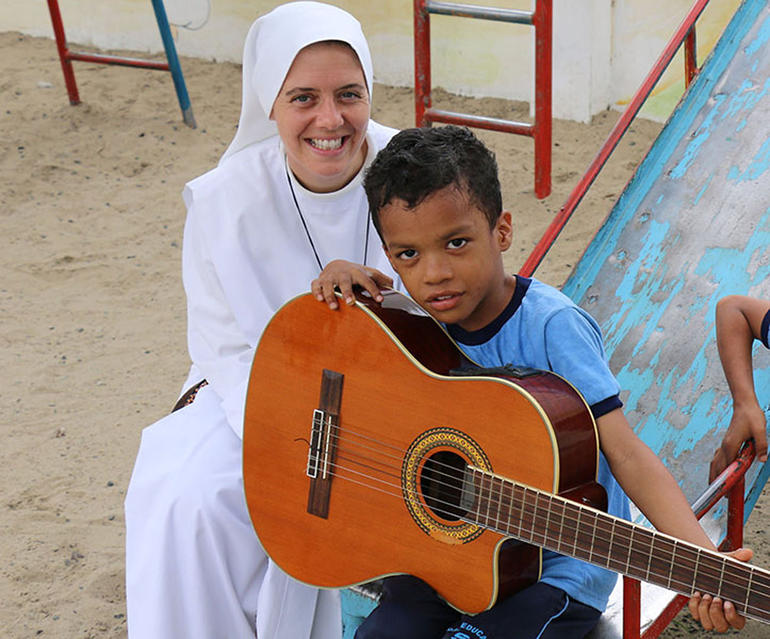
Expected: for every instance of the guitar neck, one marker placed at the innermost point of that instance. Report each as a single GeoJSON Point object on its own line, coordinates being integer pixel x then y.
{"type": "Point", "coordinates": [571, 529]}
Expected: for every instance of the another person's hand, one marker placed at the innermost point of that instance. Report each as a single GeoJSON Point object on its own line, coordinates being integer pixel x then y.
{"type": "Point", "coordinates": [712, 612]}
{"type": "Point", "coordinates": [748, 421]}
{"type": "Point", "coordinates": [344, 275]}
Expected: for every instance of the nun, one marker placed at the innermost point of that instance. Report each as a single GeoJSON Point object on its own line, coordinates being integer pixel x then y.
{"type": "Point", "coordinates": [285, 199]}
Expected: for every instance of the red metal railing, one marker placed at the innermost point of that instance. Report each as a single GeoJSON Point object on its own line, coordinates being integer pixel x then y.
{"type": "Point", "coordinates": [540, 130]}
{"type": "Point", "coordinates": [686, 31]}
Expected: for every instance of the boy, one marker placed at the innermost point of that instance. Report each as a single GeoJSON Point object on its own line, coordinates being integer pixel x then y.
{"type": "Point", "coordinates": [435, 200]}
{"type": "Point", "coordinates": [739, 321]}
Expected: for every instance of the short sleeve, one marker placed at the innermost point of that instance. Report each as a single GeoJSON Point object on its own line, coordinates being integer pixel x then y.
{"type": "Point", "coordinates": [765, 333]}
{"type": "Point", "coordinates": [575, 351]}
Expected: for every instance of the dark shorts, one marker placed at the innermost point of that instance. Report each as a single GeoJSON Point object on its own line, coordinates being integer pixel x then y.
{"type": "Point", "coordinates": [410, 609]}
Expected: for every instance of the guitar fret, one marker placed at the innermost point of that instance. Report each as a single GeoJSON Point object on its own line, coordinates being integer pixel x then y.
{"type": "Point", "coordinates": [499, 500]}
{"type": "Point", "coordinates": [695, 570]}
{"type": "Point", "coordinates": [671, 565]}
{"type": "Point", "coordinates": [478, 496]}
{"type": "Point", "coordinates": [721, 578]}
{"type": "Point", "coordinates": [593, 540]}
{"type": "Point", "coordinates": [577, 527]}
{"type": "Point", "coordinates": [649, 559]}
{"type": "Point", "coordinates": [748, 591]}
{"type": "Point", "coordinates": [532, 520]}
{"type": "Point", "coordinates": [521, 510]}
{"type": "Point", "coordinates": [561, 526]}
{"type": "Point", "coordinates": [610, 543]}
{"type": "Point", "coordinates": [628, 556]}
{"type": "Point", "coordinates": [506, 499]}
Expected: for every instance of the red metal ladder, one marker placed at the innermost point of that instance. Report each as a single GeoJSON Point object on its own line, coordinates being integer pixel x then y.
{"type": "Point", "coordinates": [172, 65]}
{"type": "Point", "coordinates": [540, 130]}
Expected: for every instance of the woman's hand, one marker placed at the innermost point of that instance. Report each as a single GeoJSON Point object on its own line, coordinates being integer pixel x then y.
{"type": "Point", "coordinates": [712, 612]}
{"type": "Point", "coordinates": [344, 275]}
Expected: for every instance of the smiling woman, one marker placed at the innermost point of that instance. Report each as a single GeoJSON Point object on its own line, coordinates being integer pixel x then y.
{"type": "Point", "coordinates": [285, 199]}
{"type": "Point", "coordinates": [322, 112]}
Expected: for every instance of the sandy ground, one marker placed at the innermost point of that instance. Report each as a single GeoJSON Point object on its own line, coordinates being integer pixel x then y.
{"type": "Point", "coordinates": [92, 307]}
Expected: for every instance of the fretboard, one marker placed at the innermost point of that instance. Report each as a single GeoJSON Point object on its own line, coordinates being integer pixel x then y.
{"type": "Point", "coordinates": [571, 529]}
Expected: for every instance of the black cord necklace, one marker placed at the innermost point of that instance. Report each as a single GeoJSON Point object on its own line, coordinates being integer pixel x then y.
{"type": "Point", "coordinates": [310, 237]}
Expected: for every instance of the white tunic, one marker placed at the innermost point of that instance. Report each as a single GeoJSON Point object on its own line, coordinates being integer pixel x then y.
{"type": "Point", "coordinates": [245, 254]}
{"type": "Point", "coordinates": [194, 566]}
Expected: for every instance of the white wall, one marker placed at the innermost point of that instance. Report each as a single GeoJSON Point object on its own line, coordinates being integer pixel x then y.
{"type": "Point", "coordinates": [602, 48]}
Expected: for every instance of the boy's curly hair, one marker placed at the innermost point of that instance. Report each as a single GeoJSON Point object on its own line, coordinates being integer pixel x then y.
{"type": "Point", "coordinates": [419, 162]}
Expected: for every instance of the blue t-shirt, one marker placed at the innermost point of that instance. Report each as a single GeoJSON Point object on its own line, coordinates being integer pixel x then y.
{"type": "Point", "coordinates": [542, 328]}
{"type": "Point", "coordinates": [765, 333]}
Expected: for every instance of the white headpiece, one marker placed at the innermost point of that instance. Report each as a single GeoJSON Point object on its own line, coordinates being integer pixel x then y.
{"type": "Point", "coordinates": [272, 43]}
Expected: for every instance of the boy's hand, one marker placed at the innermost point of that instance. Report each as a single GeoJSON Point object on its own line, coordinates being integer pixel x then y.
{"type": "Point", "coordinates": [712, 612]}
{"type": "Point", "coordinates": [747, 421]}
{"type": "Point", "coordinates": [344, 276]}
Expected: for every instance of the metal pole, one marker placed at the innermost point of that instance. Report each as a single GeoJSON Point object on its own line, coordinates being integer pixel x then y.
{"type": "Point", "coordinates": [422, 90]}
{"type": "Point", "coordinates": [543, 21]}
{"type": "Point", "coordinates": [64, 55]}
{"type": "Point", "coordinates": [173, 63]}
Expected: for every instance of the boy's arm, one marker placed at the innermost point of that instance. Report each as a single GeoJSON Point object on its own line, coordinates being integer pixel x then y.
{"type": "Point", "coordinates": [650, 485]}
{"type": "Point", "coordinates": [738, 324]}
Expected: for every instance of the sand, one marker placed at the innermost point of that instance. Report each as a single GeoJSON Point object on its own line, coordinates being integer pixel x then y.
{"type": "Point", "coordinates": [93, 312]}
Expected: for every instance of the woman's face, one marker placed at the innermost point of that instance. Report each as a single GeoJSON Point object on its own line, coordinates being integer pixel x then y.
{"type": "Point", "coordinates": [322, 112]}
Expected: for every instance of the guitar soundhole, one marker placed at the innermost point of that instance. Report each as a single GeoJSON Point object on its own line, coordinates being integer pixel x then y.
{"type": "Point", "coordinates": [441, 484]}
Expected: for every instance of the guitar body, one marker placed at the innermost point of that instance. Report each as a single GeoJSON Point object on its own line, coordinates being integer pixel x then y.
{"type": "Point", "coordinates": [388, 494]}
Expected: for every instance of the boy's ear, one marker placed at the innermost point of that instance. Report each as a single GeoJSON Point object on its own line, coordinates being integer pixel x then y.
{"type": "Point", "coordinates": [503, 231]}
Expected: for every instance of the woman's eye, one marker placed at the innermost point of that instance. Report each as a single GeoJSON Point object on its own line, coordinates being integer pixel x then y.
{"type": "Point", "coordinates": [457, 243]}
{"type": "Point", "coordinates": [351, 95]}
{"type": "Point", "coordinates": [301, 99]}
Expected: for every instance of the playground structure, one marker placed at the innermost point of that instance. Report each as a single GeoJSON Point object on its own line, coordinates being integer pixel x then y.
{"type": "Point", "coordinates": [171, 65]}
{"type": "Point", "coordinates": [692, 226]}
{"type": "Point", "coordinates": [540, 130]}
{"type": "Point", "coordinates": [678, 278]}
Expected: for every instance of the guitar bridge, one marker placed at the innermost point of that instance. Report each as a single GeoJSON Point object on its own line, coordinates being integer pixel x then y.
{"type": "Point", "coordinates": [323, 443]}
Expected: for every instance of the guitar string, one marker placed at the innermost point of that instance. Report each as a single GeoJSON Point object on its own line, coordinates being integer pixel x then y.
{"type": "Point", "coordinates": [665, 543]}
{"type": "Point", "coordinates": [535, 533]}
{"type": "Point", "coordinates": [669, 544]}
{"type": "Point", "coordinates": [534, 519]}
{"type": "Point", "coordinates": [675, 584]}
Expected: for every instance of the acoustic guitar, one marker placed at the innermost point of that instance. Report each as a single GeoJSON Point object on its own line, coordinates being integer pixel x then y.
{"type": "Point", "coordinates": [373, 446]}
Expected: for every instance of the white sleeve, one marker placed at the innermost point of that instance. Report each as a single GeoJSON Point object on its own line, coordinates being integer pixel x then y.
{"type": "Point", "coordinates": [218, 346]}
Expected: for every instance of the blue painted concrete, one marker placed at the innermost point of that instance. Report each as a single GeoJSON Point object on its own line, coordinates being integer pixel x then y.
{"type": "Point", "coordinates": [692, 226]}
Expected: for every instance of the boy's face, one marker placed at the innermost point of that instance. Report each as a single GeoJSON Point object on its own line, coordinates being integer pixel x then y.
{"type": "Point", "coordinates": [448, 258]}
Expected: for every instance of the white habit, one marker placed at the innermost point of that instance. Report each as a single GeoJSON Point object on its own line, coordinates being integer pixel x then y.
{"type": "Point", "coordinates": [194, 566]}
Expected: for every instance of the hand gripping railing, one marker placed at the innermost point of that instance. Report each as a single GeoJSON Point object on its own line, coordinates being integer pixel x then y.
{"type": "Point", "coordinates": [540, 131]}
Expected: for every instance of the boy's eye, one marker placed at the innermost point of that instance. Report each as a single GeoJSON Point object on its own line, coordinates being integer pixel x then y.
{"type": "Point", "coordinates": [457, 242]}
{"type": "Point", "coordinates": [407, 254]}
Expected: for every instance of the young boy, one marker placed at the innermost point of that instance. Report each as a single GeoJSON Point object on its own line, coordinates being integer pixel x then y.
{"type": "Point", "coordinates": [739, 321]}
{"type": "Point", "coordinates": [435, 200]}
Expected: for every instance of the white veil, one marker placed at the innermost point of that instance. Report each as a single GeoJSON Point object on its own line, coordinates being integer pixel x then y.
{"type": "Point", "coordinates": [273, 41]}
